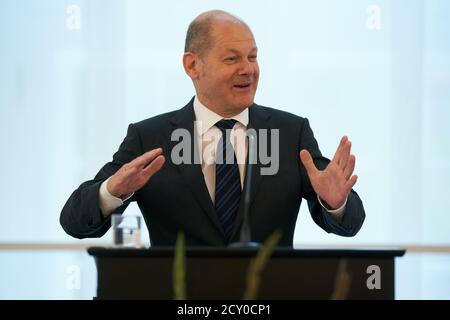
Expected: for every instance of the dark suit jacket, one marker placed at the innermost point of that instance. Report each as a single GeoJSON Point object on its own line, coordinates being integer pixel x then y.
{"type": "Point", "coordinates": [176, 197]}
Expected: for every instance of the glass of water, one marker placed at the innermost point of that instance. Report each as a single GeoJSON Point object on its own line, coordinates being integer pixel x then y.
{"type": "Point", "coordinates": [126, 230]}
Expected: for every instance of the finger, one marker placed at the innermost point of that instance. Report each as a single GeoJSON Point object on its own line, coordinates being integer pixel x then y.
{"type": "Point", "coordinates": [349, 167]}
{"type": "Point", "coordinates": [308, 162]}
{"type": "Point", "coordinates": [154, 166]}
{"type": "Point", "coordinates": [351, 182]}
{"type": "Point", "coordinates": [146, 158]}
{"type": "Point", "coordinates": [345, 154]}
{"type": "Point", "coordinates": [338, 153]}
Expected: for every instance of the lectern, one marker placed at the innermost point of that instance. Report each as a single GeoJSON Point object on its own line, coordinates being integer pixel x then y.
{"type": "Point", "coordinates": [220, 273]}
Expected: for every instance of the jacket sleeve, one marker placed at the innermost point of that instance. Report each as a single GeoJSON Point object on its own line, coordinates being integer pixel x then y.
{"type": "Point", "coordinates": [81, 216]}
{"type": "Point", "coordinates": [354, 214]}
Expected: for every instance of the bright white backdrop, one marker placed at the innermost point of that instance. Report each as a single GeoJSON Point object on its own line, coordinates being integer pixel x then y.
{"type": "Point", "coordinates": [74, 74]}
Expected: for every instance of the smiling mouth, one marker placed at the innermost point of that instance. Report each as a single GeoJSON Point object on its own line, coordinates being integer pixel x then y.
{"type": "Point", "coordinates": [242, 86]}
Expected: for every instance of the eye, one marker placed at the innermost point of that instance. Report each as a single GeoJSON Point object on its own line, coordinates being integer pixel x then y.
{"type": "Point", "coordinates": [231, 59]}
{"type": "Point", "coordinates": [252, 58]}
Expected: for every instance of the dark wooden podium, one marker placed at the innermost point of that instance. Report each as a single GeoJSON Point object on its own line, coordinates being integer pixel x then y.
{"type": "Point", "coordinates": [220, 273]}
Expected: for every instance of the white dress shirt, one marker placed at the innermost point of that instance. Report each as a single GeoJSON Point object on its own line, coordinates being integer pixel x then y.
{"type": "Point", "coordinates": [208, 136]}
{"type": "Point", "coordinates": [208, 139]}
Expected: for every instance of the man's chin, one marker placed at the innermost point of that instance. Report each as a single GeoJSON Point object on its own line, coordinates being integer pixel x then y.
{"type": "Point", "coordinates": [243, 106]}
{"type": "Point", "coordinates": [244, 103]}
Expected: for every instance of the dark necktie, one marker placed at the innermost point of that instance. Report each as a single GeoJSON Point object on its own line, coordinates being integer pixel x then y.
{"type": "Point", "coordinates": [228, 181]}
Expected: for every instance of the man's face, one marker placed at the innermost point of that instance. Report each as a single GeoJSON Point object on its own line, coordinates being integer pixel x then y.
{"type": "Point", "coordinates": [228, 72]}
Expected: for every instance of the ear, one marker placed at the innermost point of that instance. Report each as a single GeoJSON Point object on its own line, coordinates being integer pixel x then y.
{"type": "Point", "coordinates": [191, 64]}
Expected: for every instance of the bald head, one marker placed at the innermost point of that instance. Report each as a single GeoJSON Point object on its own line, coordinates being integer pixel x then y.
{"type": "Point", "coordinates": [199, 37]}
{"type": "Point", "coordinates": [221, 59]}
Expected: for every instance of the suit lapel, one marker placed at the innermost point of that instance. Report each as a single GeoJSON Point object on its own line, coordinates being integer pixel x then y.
{"type": "Point", "coordinates": [192, 173]}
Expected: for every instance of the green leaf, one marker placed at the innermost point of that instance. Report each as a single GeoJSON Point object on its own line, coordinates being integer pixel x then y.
{"type": "Point", "coordinates": [179, 269]}
{"type": "Point", "coordinates": [258, 264]}
{"type": "Point", "coordinates": [342, 282]}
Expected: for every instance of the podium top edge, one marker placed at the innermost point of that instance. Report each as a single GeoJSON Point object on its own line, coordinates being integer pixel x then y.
{"type": "Point", "coordinates": [243, 252]}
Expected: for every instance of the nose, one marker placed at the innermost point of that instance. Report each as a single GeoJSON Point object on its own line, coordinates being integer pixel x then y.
{"type": "Point", "coordinates": [247, 67]}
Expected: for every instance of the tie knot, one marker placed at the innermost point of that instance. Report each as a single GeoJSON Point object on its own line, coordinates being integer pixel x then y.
{"type": "Point", "coordinates": [225, 124]}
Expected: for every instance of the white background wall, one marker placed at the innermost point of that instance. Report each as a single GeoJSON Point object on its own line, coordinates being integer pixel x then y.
{"type": "Point", "coordinates": [71, 83]}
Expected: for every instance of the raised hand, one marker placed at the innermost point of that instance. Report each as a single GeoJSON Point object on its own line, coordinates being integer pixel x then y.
{"type": "Point", "coordinates": [134, 175]}
{"type": "Point", "coordinates": [334, 183]}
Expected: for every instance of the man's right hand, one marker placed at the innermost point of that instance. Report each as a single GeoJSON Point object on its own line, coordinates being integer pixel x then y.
{"type": "Point", "coordinates": [135, 174]}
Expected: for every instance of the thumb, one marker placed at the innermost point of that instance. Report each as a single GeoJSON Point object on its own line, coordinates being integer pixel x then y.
{"type": "Point", "coordinates": [308, 162]}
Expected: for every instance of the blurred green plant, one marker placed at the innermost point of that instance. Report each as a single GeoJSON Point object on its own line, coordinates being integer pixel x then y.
{"type": "Point", "coordinates": [258, 264]}
{"type": "Point", "coordinates": [179, 269]}
{"type": "Point", "coordinates": [254, 272]}
{"type": "Point", "coordinates": [342, 282]}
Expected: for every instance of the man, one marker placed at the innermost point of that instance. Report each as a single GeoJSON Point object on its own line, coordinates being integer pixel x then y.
{"type": "Point", "coordinates": [204, 199]}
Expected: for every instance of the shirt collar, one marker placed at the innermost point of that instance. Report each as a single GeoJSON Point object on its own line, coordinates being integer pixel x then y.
{"type": "Point", "coordinates": [209, 118]}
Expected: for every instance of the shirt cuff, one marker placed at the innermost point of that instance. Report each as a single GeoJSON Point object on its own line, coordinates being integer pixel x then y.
{"type": "Point", "coordinates": [108, 202]}
{"type": "Point", "coordinates": [338, 213]}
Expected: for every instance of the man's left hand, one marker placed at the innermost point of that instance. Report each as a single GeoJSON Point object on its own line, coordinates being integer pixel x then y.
{"type": "Point", "coordinates": [333, 184]}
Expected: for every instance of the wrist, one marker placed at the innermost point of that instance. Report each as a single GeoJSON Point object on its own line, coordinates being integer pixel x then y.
{"type": "Point", "coordinates": [330, 207]}
{"type": "Point", "coordinates": [112, 189]}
